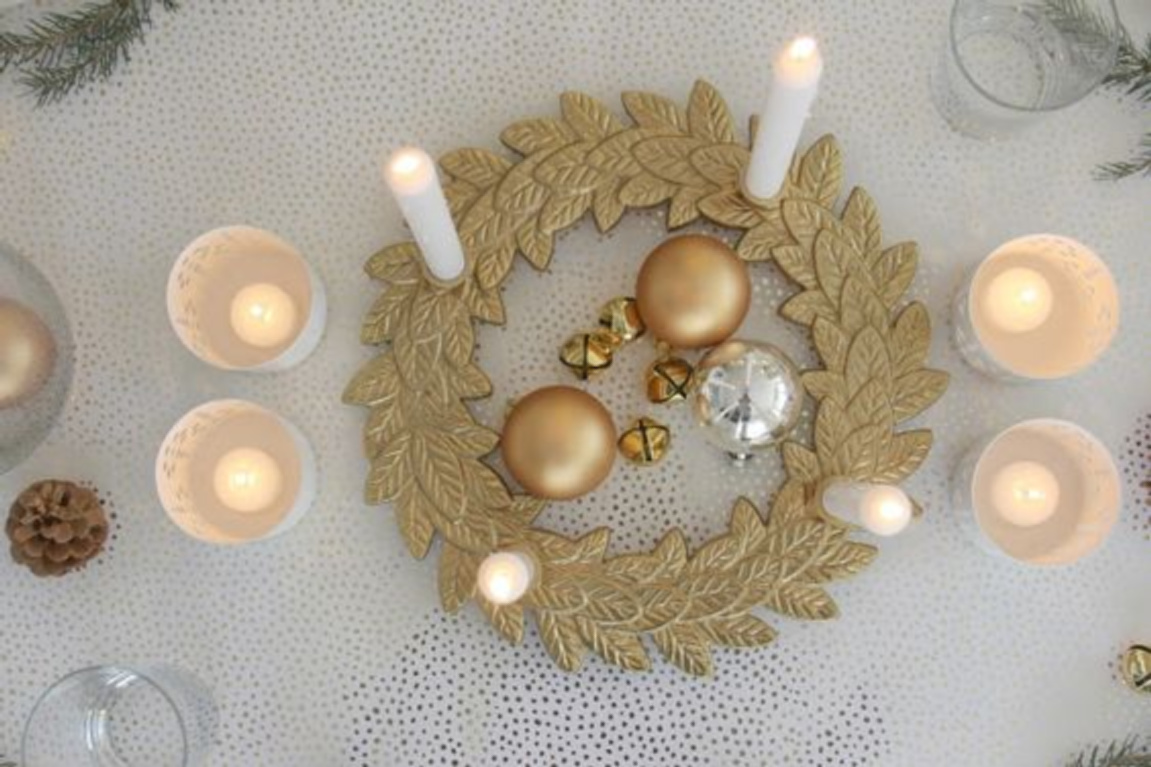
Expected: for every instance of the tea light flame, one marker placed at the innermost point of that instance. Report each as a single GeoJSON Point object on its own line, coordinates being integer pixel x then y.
{"type": "Point", "coordinates": [248, 480]}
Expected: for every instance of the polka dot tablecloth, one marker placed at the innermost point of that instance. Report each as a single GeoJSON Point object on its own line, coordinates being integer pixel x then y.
{"type": "Point", "coordinates": [326, 646]}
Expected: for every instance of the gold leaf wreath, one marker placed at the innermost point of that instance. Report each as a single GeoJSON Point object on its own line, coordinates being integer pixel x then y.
{"type": "Point", "coordinates": [426, 450]}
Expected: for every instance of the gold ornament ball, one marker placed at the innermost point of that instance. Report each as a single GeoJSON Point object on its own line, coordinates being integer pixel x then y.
{"type": "Point", "coordinates": [559, 443]}
{"type": "Point", "coordinates": [27, 352]}
{"type": "Point", "coordinates": [693, 291]}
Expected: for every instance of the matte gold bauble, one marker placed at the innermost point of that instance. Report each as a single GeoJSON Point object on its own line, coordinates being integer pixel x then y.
{"type": "Point", "coordinates": [27, 352]}
{"type": "Point", "coordinates": [559, 442]}
{"type": "Point", "coordinates": [693, 291]}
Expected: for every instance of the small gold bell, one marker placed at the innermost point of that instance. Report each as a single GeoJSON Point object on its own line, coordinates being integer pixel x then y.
{"type": "Point", "coordinates": [586, 354]}
{"type": "Point", "coordinates": [1136, 668]}
{"type": "Point", "coordinates": [645, 442]}
{"type": "Point", "coordinates": [621, 317]}
{"type": "Point", "coordinates": [669, 380]}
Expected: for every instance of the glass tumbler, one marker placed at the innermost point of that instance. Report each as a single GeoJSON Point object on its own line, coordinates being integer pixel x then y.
{"type": "Point", "coordinates": [119, 716]}
{"type": "Point", "coordinates": [1007, 63]}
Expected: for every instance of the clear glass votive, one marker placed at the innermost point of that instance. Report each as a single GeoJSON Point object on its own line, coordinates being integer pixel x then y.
{"type": "Point", "coordinates": [121, 716]}
{"type": "Point", "coordinates": [232, 472]}
{"type": "Point", "coordinates": [241, 298]}
{"type": "Point", "coordinates": [1038, 307]}
{"type": "Point", "coordinates": [1008, 63]}
{"type": "Point", "coordinates": [1041, 492]}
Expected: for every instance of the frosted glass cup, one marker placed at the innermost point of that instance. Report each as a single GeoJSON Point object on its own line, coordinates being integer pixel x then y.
{"type": "Point", "coordinates": [1008, 63]}
{"type": "Point", "coordinates": [116, 716]}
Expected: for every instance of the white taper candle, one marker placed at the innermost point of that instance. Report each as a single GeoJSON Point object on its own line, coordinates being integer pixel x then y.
{"type": "Point", "coordinates": [880, 509]}
{"type": "Point", "coordinates": [794, 84]}
{"type": "Point", "coordinates": [412, 177]}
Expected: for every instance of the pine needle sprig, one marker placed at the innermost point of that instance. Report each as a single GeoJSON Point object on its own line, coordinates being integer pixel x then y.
{"type": "Point", "coordinates": [1138, 164]}
{"type": "Point", "coordinates": [63, 52]}
{"type": "Point", "coordinates": [1132, 72]}
{"type": "Point", "coordinates": [1117, 754]}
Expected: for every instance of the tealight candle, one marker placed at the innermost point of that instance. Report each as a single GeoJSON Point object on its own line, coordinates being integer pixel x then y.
{"type": "Point", "coordinates": [794, 85]}
{"type": "Point", "coordinates": [505, 576]}
{"type": "Point", "coordinates": [263, 315]}
{"type": "Point", "coordinates": [412, 177]}
{"type": "Point", "coordinates": [233, 472]}
{"type": "Point", "coordinates": [884, 510]}
{"type": "Point", "coordinates": [247, 480]}
{"type": "Point", "coordinates": [1039, 307]}
{"type": "Point", "coordinates": [1025, 493]}
{"type": "Point", "coordinates": [1041, 492]}
{"type": "Point", "coordinates": [241, 298]}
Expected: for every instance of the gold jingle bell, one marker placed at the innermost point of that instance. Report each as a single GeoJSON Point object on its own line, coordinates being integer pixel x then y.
{"type": "Point", "coordinates": [1136, 668]}
{"type": "Point", "coordinates": [645, 442]}
{"type": "Point", "coordinates": [669, 380]}
{"type": "Point", "coordinates": [586, 354]}
{"type": "Point", "coordinates": [621, 317]}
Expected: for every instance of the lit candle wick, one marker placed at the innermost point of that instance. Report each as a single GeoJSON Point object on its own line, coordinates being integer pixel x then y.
{"type": "Point", "coordinates": [247, 480]}
{"type": "Point", "coordinates": [263, 315]}
{"type": "Point", "coordinates": [1019, 300]}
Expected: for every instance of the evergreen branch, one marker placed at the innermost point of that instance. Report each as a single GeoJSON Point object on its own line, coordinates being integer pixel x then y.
{"type": "Point", "coordinates": [1118, 754]}
{"type": "Point", "coordinates": [63, 52]}
{"type": "Point", "coordinates": [1140, 163]}
{"type": "Point", "coordinates": [1132, 72]}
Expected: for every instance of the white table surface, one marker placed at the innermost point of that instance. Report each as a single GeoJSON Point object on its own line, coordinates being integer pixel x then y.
{"type": "Point", "coordinates": [326, 646]}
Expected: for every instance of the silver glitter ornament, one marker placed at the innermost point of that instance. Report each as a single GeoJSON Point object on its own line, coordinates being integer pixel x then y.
{"type": "Point", "coordinates": [748, 397]}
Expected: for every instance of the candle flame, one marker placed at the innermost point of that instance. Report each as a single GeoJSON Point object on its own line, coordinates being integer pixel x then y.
{"type": "Point", "coordinates": [406, 162]}
{"type": "Point", "coordinates": [802, 48]}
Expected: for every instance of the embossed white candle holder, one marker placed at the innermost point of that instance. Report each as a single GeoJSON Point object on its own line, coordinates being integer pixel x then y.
{"type": "Point", "coordinates": [1039, 307]}
{"type": "Point", "coordinates": [1042, 492]}
{"type": "Point", "coordinates": [241, 298]}
{"type": "Point", "coordinates": [232, 472]}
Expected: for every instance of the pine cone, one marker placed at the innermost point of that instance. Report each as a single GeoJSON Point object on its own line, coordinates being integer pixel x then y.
{"type": "Point", "coordinates": [55, 527]}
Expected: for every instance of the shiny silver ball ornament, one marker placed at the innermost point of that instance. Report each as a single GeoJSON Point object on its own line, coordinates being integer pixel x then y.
{"type": "Point", "coordinates": [748, 396]}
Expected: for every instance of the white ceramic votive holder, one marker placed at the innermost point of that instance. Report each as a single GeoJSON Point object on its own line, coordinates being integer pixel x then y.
{"type": "Point", "coordinates": [241, 298]}
{"type": "Point", "coordinates": [1039, 307]}
{"type": "Point", "coordinates": [1042, 492]}
{"type": "Point", "coordinates": [232, 472]}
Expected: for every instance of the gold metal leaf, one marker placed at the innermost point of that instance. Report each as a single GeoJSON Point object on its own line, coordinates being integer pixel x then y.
{"type": "Point", "coordinates": [561, 637]}
{"type": "Point", "coordinates": [722, 164]}
{"type": "Point", "coordinates": [508, 620]}
{"type": "Point", "coordinates": [708, 116]}
{"type": "Point", "coordinates": [414, 516]}
{"type": "Point", "coordinates": [903, 456]}
{"type": "Point", "coordinates": [655, 112]}
{"type": "Point", "coordinates": [396, 264]}
{"type": "Point", "coordinates": [861, 216]}
{"type": "Point", "coordinates": [685, 646]}
{"type": "Point", "coordinates": [738, 631]}
{"type": "Point", "coordinates": [646, 190]}
{"type": "Point", "coordinates": [619, 648]}
{"type": "Point", "coordinates": [910, 339]}
{"type": "Point", "coordinates": [730, 208]}
{"type": "Point", "coordinates": [541, 135]}
{"type": "Point", "coordinates": [821, 172]}
{"type": "Point", "coordinates": [802, 464]}
{"type": "Point", "coordinates": [457, 577]}
{"type": "Point", "coordinates": [478, 167]}
{"type": "Point", "coordinates": [893, 270]}
{"type": "Point", "coordinates": [800, 600]}
{"type": "Point", "coordinates": [425, 447]}
{"type": "Point", "coordinates": [590, 119]}
{"type": "Point", "coordinates": [915, 392]}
